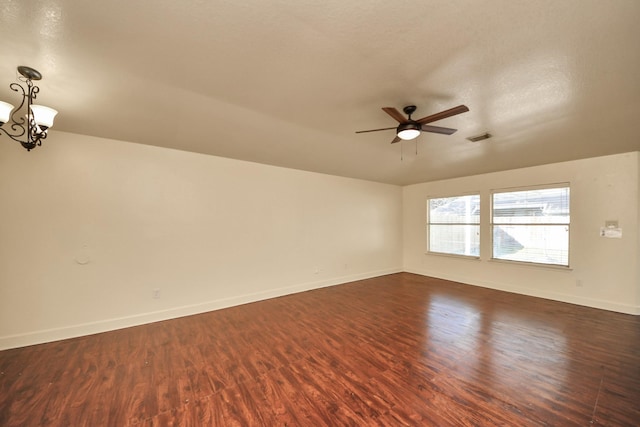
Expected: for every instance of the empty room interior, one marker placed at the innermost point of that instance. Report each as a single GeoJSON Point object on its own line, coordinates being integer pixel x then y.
{"type": "Point", "coordinates": [416, 213]}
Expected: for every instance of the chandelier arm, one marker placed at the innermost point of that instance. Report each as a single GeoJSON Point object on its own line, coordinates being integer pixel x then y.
{"type": "Point", "coordinates": [21, 126]}
{"type": "Point", "coordinates": [33, 91]}
{"type": "Point", "coordinates": [20, 121]}
{"type": "Point", "coordinates": [18, 128]}
{"type": "Point", "coordinates": [16, 136]}
{"type": "Point", "coordinates": [34, 138]}
{"type": "Point", "coordinates": [17, 125]}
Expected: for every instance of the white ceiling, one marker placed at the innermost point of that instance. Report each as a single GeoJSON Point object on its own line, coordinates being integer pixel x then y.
{"type": "Point", "coordinates": [289, 82]}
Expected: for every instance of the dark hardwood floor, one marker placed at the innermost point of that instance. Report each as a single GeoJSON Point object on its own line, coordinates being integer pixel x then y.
{"type": "Point", "coordinates": [395, 350]}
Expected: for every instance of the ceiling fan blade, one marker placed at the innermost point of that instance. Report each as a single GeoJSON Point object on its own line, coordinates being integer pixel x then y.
{"type": "Point", "coordinates": [438, 129]}
{"type": "Point", "coordinates": [444, 114]}
{"type": "Point", "coordinates": [395, 114]}
{"type": "Point", "coordinates": [396, 139]}
{"type": "Point", "coordinates": [373, 130]}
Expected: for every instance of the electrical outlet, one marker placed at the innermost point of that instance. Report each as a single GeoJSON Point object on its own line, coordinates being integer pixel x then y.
{"type": "Point", "coordinates": [156, 293]}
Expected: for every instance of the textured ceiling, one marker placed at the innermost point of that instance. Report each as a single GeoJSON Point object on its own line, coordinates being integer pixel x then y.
{"type": "Point", "coordinates": [288, 83]}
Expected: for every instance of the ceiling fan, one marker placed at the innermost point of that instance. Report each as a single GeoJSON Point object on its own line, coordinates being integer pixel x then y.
{"type": "Point", "coordinates": [410, 129]}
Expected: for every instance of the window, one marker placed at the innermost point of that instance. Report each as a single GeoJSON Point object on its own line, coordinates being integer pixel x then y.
{"type": "Point", "coordinates": [531, 225]}
{"type": "Point", "coordinates": [454, 225]}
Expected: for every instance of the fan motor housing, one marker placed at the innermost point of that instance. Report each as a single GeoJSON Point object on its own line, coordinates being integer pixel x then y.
{"type": "Point", "coordinates": [409, 125]}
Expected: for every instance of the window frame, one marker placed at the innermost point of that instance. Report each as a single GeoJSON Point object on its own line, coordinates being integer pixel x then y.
{"type": "Point", "coordinates": [429, 224]}
{"type": "Point", "coordinates": [493, 224]}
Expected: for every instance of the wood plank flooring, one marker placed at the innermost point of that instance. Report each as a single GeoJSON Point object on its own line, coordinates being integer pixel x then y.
{"type": "Point", "coordinates": [390, 351]}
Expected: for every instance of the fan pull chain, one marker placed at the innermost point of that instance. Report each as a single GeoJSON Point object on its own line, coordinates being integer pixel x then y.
{"type": "Point", "coordinates": [401, 151]}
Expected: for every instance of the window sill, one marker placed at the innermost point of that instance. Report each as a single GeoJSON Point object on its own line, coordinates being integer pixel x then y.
{"type": "Point", "coordinates": [532, 264]}
{"type": "Point", "coordinates": [467, 257]}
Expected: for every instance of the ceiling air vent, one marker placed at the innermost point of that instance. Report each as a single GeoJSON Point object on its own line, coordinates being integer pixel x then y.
{"type": "Point", "coordinates": [481, 137]}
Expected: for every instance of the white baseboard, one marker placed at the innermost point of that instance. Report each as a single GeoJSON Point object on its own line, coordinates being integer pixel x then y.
{"type": "Point", "coordinates": [555, 296]}
{"type": "Point", "coordinates": [72, 331]}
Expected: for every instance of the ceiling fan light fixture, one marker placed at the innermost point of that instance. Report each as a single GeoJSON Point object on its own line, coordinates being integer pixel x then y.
{"type": "Point", "coordinates": [408, 131]}
{"type": "Point", "coordinates": [411, 129]}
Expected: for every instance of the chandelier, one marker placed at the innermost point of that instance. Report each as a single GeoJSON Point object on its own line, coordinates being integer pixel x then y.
{"type": "Point", "coordinates": [28, 123]}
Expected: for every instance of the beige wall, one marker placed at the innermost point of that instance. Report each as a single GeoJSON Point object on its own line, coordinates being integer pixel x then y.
{"type": "Point", "coordinates": [90, 227]}
{"type": "Point", "coordinates": [603, 273]}
{"type": "Point", "coordinates": [208, 232]}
